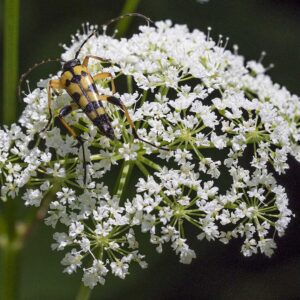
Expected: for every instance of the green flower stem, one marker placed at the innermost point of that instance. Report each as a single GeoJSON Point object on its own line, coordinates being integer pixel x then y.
{"type": "Point", "coordinates": [10, 60]}
{"type": "Point", "coordinates": [129, 7]}
{"type": "Point", "coordinates": [150, 163]}
{"type": "Point", "coordinates": [200, 156]}
{"type": "Point", "coordinates": [10, 249]}
{"type": "Point", "coordinates": [84, 292]}
{"type": "Point", "coordinates": [123, 177]}
{"type": "Point", "coordinates": [10, 256]}
{"type": "Point", "coordinates": [10, 246]}
{"type": "Point", "coordinates": [142, 168]}
{"type": "Point", "coordinates": [129, 84]}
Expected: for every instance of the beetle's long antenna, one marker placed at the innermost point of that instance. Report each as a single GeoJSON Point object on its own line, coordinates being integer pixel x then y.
{"type": "Point", "coordinates": [149, 21]}
{"type": "Point", "coordinates": [78, 51]}
{"type": "Point", "coordinates": [147, 142]}
{"type": "Point", "coordinates": [110, 22]}
{"type": "Point", "coordinates": [31, 69]}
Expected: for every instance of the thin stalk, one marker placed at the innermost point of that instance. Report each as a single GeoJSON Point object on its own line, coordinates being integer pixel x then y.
{"type": "Point", "coordinates": [150, 163]}
{"type": "Point", "coordinates": [142, 168]}
{"type": "Point", "coordinates": [84, 292]}
{"type": "Point", "coordinates": [10, 256]}
{"type": "Point", "coordinates": [123, 177]}
{"type": "Point", "coordinates": [123, 25]}
{"type": "Point", "coordinates": [129, 84]}
{"type": "Point", "coordinates": [10, 250]}
{"type": "Point", "coordinates": [10, 60]}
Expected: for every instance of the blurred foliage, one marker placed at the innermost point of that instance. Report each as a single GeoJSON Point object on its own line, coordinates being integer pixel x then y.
{"type": "Point", "coordinates": [220, 272]}
{"type": "Point", "coordinates": [10, 59]}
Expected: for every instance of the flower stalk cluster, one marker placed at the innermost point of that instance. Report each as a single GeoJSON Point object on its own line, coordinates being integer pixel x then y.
{"type": "Point", "coordinates": [227, 127]}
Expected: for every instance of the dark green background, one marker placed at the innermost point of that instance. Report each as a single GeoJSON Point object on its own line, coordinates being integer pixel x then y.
{"type": "Point", "coordinates": [219, 272]}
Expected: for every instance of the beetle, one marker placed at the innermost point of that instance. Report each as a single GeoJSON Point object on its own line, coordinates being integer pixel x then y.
{"type": "Point", "coordinates": [77, 81]}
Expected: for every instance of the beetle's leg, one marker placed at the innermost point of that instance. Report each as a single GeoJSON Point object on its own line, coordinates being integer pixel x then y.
{"type": "Point", "coordinates": [86, 59]}
{"type": "Point", "coordinates": [66, 110]}
{"type": "Point", "coordinates": [56, 85]}
{"type": "Point", "coordinates": [106, 75]}
{"type": "Point", "coordinates": [120, 104]}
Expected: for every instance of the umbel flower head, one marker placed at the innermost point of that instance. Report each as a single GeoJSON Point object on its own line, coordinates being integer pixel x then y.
{"type": "Point", "coordinates": [227, 127]}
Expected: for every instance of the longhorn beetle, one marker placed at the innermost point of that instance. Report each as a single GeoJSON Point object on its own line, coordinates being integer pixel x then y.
{"type": "Point", "coordinates": [80, 85]}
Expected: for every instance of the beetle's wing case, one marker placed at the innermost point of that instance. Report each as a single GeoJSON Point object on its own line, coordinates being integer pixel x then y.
{"type": "Point", "coordinates": [80, 85]}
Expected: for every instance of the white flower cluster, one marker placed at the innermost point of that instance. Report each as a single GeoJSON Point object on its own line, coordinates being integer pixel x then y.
{"type": "Point", "coordinates": [227, 128]}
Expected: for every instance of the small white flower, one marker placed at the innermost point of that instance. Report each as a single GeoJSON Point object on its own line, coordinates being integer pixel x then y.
{"type": "Point", "coordinates": [66, 195]}
{"type": "Point", "coordinates": [75, 229]}
{"type": "Point", "coordinates": [249, 247]}
{"type": "Point", "coordinates": [33, 197]}
{"type": "Point", "coordinates": [128, 151]}
{"type": "Point", "coordinates": [267, 246]}
{"type": "Point", "coordinates": [119, 268]}
{"type": "Point", "coordinates": [72, 260]}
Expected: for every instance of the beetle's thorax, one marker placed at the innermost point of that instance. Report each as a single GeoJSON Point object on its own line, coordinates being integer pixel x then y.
{"type": "Point", "coordinates": [71, 64]}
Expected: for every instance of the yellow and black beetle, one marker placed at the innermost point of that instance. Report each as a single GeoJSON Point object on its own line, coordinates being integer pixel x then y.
{"type": "Point", "coordinates": [80, 85]}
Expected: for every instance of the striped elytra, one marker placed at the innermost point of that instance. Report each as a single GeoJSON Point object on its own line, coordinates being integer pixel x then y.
{"type": "Point", "coordinates": [80, 85]}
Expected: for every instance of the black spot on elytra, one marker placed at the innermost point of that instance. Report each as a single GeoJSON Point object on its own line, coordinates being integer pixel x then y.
{"type": "Point", "coordinates": [83, 73]}
{"type": "Point", "coordinates": [107, 130]}
{"type": "Point", "coordinates": [97, 104]}
{"type": "Point", "coordinates": [76, 78]}
{"type": "Point", "coordinates": [68, 82]}
{"type": "Point", "coordinates": [76, 97]}
{"type": "Point", "coordinates": [99, 120]}
{"type": "Point", "coordinates": [89, 107]}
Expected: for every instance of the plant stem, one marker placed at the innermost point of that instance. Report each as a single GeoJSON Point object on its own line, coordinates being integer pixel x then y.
{"type": "Point", "coordinates": [10, 60]}
{"type": "Point", "coordinates": [129, 84]}
{"type": "Point", "coordinates": [123, 177]}
{"type": "Point", "coordinates": [10, 250]}
{"type": "Point", "coordinates": [129, 7]}
{"type": "Point", "coordinates": [84, 292]}
{"type": "Point", "coordinates": [10, 255]}
{"type": "Point", "coordinates": [150, 163]}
